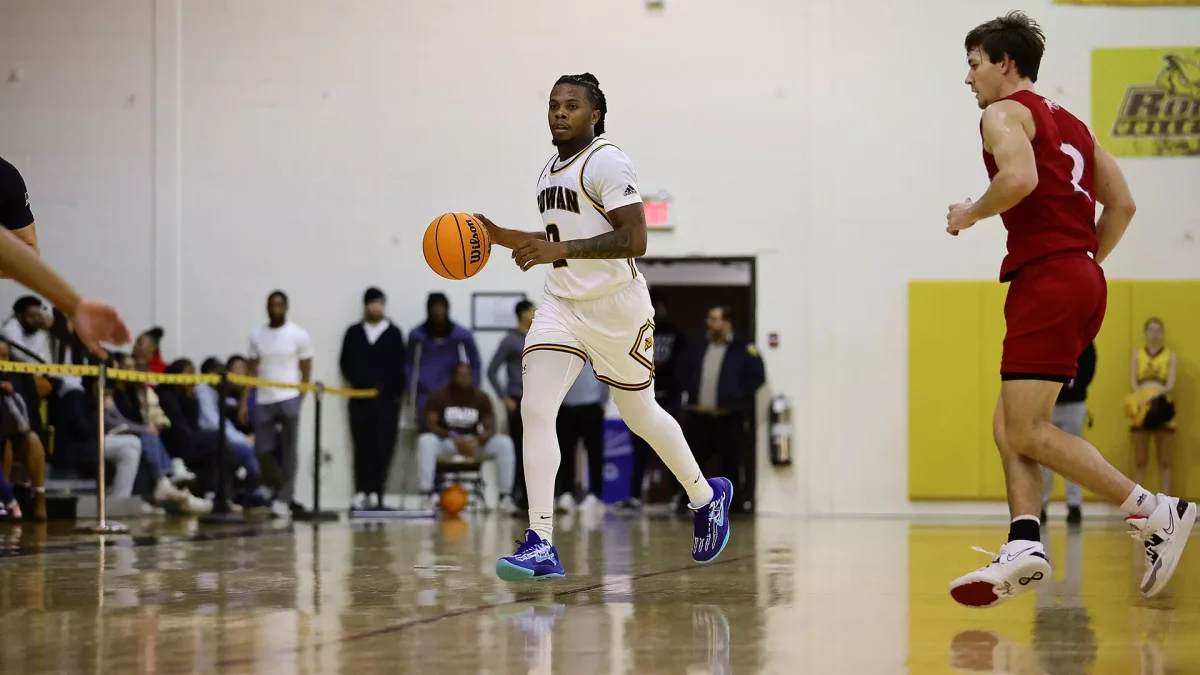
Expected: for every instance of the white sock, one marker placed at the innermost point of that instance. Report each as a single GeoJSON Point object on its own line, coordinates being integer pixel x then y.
{"type": "Point", "coordinates": [1140, 503]}
{"type": "Point", "coordinates": [1033, 518]}
{"type": "Point", "coordinates": [646, 418]}
{"type": "Point", "coordinates": [548, 376]}
{"type": "Point", "coordinates": [542, 522]}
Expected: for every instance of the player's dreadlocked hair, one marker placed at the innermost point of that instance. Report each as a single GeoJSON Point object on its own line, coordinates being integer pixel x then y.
{"type": "Point", "coordinates": [589, 82]}
{"type": "Point", "coordinates": [1014, 34]}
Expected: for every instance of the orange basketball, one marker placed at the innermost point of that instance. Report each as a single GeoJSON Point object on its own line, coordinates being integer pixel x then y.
{"type": "Point", "coordinates": [452, 500]}
{"type": "Point", "coordinates": [456, 245]}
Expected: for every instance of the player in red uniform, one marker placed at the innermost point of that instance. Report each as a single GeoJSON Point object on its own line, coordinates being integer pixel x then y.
{"type": "Point", "coordinates": [1047, 173]}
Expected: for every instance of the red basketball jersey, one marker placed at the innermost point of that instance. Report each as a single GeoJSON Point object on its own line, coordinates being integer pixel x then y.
{"type": "Point", "coordinates": [1059, 216]}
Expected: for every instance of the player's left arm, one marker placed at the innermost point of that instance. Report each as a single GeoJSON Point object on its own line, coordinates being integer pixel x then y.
{"type": "Point", "coordinates": [1005, 136]}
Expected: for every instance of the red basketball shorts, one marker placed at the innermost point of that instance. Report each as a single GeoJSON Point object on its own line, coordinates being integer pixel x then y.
{"type": "Point", "coordinates": [1054, 309]}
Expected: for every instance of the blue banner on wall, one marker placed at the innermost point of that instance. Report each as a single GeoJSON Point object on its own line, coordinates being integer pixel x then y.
{"type": "Point", "coordinates": [618, 461]}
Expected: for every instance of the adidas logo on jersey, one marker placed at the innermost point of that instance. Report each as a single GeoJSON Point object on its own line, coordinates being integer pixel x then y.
{"type": "Point", "coordinates": [630, 190]}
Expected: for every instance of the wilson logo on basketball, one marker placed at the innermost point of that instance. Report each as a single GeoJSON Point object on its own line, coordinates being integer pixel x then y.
{"type": "Point", "coordinates": [1167, 109]}
{"type": "Point", "coordinates": [476, 242]}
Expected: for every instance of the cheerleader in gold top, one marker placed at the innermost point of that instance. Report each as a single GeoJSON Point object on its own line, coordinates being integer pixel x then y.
{"type": "Point", "coordinates": [1152, 378]}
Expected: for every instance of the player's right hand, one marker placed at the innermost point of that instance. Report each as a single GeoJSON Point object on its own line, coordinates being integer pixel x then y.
{"type": "Point", "coordinates": [492, 229]}
{"type": "Point", "coordinates": [97, 322]}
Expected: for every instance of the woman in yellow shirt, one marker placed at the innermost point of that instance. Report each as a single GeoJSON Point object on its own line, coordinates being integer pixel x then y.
{"type": "Point", "coordinates": [1152, 375]}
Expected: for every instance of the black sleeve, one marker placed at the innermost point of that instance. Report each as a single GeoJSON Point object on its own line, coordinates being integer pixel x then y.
{"type": "Point", "coordinates": [1087, 367]}
{"type": "Point", "coordinates": [15, 213]}
{"type": "Point", "coordinates": [401, 373]}
{"type": "Point", "coordinates": [345, 359]}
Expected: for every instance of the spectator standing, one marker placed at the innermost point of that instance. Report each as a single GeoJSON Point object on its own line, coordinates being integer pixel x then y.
{"type": "Point", "coordinates": [1070, 413]}
{"type": "Point", "coordinates": [508, 359]}
{"type": "Point", "coordinates": [721, 375]}
{"type": "Point", "coordinates": [435, 346]}
{"type": "Point", "coordinates": [581, 418]}
{"type": "Point", "coordinates": [459, 421]}
{"type": "Point", "coordinates": [280, 351]}
{"type": "Point", "coordinates": [669, 344]}
{"type": "Point", "coordinates": [373, 357]}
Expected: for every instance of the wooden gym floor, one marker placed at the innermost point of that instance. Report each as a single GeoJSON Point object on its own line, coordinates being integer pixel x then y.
{"type": "Point", "coordinates": [789, 596]}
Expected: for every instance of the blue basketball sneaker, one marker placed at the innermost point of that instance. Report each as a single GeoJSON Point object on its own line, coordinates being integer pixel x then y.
{"type": "Point", "coordinates": [535, 560]}
{"type": "Point", "coordinates": [712, 522]}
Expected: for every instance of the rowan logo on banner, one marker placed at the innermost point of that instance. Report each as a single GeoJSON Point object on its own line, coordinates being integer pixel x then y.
{"type": "Point", "coordinates": [1146, 101]}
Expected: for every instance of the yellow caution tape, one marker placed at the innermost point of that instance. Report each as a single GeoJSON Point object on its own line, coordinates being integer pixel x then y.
{"type": "Point", "coordinates": [169, 378]}
{"type": "Point", "coordinates": [48, 369]}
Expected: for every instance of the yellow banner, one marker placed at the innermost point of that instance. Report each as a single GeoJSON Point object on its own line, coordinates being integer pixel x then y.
{"type": "Point", "coordinates": [1146, 101]}
{"type": "Point", "coordinates": [1137, 3]}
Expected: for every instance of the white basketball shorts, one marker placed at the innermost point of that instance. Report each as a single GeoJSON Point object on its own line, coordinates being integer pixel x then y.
{"type": "Point", "coordinates": [615, 331]}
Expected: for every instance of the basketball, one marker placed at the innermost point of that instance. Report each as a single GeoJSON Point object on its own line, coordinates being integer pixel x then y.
{"type": "Point", "coordinates": [452, 500]}
{"type": "Point", "coordinates": [456, 245]}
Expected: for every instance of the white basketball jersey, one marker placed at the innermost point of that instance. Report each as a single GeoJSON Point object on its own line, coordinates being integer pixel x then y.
{"type": "Point", "coordinates": [574, 196]}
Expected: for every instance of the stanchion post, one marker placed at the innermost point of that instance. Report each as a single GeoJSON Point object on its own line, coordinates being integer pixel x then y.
{"type": "Point", "coordinates": [102, 525]}
{"type": "Point", "coordinates": [317, 515]}
{"type": "Point", "coordinates": [221, 512]}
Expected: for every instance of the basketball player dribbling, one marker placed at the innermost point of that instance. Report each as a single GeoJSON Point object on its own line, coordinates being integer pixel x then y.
{"type": "Point", "coordinates": [595, 306]}
{"type": "Point", "coordinates": [1047, 172]}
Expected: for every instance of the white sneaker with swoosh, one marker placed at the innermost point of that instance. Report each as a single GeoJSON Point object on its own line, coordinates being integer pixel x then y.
{"type": "Point", "coordinates": [1019, 567]}
{"type": "Point", "coordinates": [1164, 534]}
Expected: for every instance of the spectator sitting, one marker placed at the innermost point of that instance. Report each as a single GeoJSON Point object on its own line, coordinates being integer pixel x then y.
{"type": "Point", "coordinates": [26, 331]}
{"type": "Point", "coordinates": [141, 398]}
{"type": "Point", "coordinates": [435, 346]}
{"type": "Point", "coordinates": [152, 452]}
{"type": "Point", "coordinates": [241, 445]}
{"type": "Point", "coordinates": [459, 421]}
{"type": "Point", "coordinates": [184, 438]}
{"type": "Point", "coordinates": [236, 365]}
{"type": "Point", "coordinates": [27, 328]}
{"type": "Point", "coordinates": [75, 426]}
{"type": "Point", "coordinates": [16, 429]}
{"type": "Point", "coordinates": [146, 350]}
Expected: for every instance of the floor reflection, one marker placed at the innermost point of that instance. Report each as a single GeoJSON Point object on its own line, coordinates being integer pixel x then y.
{"type": "Point", "coordinates": [788, 596]}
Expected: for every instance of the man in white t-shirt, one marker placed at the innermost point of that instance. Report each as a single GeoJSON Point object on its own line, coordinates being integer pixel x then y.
{"type": "Point", "coordinates": [280, 351]}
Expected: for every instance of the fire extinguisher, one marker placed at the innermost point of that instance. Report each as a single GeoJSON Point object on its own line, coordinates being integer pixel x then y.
{"type": "Point", "coordinates": [779, 422]}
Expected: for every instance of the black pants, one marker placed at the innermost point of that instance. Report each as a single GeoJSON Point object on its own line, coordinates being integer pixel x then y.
{"type": "Point", "coordinates": [576, 422]}
{"type": "Point", "coordinates": [373, 428]}
{"type": "Point", "coordinates": [516, 431]}
{"type": "Point", "coordinates": [724, 437]}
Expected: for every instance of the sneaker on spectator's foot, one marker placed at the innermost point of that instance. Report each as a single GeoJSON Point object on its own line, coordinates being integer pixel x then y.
{"type": "Point", "coordinates": [631, 504]}
{"type": "Point", "coordinates": [166, 491]}
{"type": "Point", "coordinates": [1074, 515]}
{"type": "Point", "coordinates": [1021, 566]}
{"type": "Point", "coordinates": [566, 503]}
{"type": "Point", "coordinates": [1164, 533]}
{"type": "Point", "coordinates": [592, 504]}
{"type": "Point", "coordinates": [506, 506]}
{"type": "Point", "coordinates": [534, 560]}
{"type": "Point", "coordinates": [280, 510]}
{"type": "Point", "coordinates": [197, 506]}
{"type": "Point", "coordinates": [711, 521]}
{"type": "Point", "coordinates": [149, 509]}
{"type": "Point", "coordinates": [180, 472]}
{"type": "Point", "coordinates": [298, 509]}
